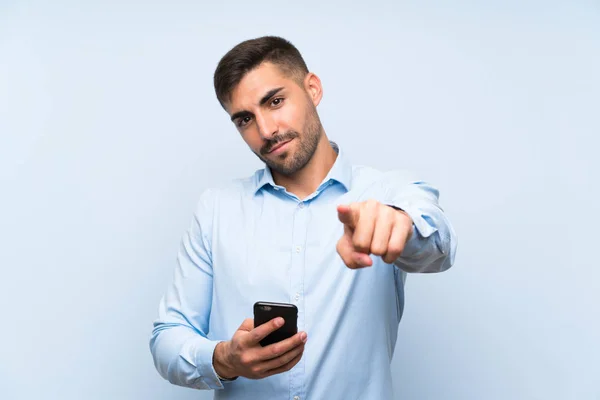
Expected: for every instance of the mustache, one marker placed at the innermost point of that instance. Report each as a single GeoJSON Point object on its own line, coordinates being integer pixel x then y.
{"type": "Point", "coordinates": [275, 141]}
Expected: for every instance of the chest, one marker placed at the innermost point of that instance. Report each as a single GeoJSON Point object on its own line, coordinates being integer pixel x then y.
{"type": "Point", "coordinates": [277, 250]}
{"type": "Point", "coordinates": [268, 244]}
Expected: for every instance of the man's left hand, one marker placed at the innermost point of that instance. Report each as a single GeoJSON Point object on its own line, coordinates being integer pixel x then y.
{"type": "Point", "coordinates": [371, 227]}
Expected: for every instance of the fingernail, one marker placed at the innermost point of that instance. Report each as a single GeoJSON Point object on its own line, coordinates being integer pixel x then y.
{"type": "Point", "coordinates": [279, 321]}
{"type": "Point", "coordinates": [303, 337]}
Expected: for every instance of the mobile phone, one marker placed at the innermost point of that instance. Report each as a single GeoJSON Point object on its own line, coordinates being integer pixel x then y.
{"type": "Point", "coordinates": [265, 311]}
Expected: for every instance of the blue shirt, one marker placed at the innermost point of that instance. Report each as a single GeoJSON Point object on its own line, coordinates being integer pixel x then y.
{"type": "Point", "coordinates": [251, 240]}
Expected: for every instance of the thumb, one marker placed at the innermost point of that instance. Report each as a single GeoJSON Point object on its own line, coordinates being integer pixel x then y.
{"type": "Point", "coordinates": [348, 214]}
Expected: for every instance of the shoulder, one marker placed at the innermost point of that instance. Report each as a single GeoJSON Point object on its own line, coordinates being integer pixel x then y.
{"type": "Point", "coordinates": [229, 191]}
{"type": "Point", "coordinates": [364, 175]}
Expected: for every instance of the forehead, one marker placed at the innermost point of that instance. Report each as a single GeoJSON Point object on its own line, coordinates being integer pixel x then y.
{"type": "Point", "coordinates": [256, 83]}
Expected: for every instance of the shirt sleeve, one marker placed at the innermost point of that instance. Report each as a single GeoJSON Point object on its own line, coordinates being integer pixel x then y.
{"type": "Point", "coordinates": [179, 344]}
{"type": "Point", "coordinates": [432, 246]}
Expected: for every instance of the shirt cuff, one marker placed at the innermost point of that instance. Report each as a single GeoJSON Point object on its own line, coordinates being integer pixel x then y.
{"type": "Point", "coordinates": [201, 351]}
{"type": "Point", "coordinates": [420, 229]}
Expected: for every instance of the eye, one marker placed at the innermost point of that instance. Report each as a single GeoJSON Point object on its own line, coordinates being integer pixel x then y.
{"type": "Point", "coordinates": [243, 121]}
{"type": "Point", "coordinates": [277, 101]}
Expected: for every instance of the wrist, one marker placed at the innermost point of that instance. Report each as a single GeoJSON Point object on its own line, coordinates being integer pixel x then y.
{"type": "Point", "coordinates": [220, 362]}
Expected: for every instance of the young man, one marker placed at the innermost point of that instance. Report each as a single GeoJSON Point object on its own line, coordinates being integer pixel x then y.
{"type": "Point", "coordinates": [312, 229]}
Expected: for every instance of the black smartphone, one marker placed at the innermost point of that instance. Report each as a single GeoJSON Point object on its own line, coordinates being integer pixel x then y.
{"type": "Point", "coordinates": [265, 311]}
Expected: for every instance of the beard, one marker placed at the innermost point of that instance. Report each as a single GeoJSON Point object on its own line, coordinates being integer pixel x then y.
{"type": "Point", "coordinates": [288, 163]}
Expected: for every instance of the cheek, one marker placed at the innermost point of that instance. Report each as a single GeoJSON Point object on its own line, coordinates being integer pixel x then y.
{"type": "Point", "coordinates": [252, 139]}
{"type": "Point", "coordinates": [256, 145]}
{"type": "Point", "coordinates": [289, 119]}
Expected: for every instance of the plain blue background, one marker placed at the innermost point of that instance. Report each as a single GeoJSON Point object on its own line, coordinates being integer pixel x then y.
{"type": "Point", "coordinates": [110, 130]}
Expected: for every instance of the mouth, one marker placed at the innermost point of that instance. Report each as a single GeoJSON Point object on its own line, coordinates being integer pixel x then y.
{"type": "Point", "coordinates": [280, 147]}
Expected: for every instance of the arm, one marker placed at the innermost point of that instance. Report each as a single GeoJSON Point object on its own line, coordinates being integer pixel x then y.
{"type": "Point", "coordinates": [179, 345]}
{"type": "Point", "coordinates": [432, 244]}
{"type": "Point", "coordinates": [182, 352]}
{"type": "Point", "coordinates": [402, 222]}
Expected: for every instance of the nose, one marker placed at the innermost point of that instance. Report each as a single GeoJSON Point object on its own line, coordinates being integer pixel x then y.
{"type": "Point", "coordinates": [267, 127]}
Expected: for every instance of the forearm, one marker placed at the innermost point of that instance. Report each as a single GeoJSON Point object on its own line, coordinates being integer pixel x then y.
{"type": "Point", "coordinates": [432, 244]}
{"type": "Point", "coordinates": [434, 253]}
{"type": "Point", "coordinates": [179, 343]}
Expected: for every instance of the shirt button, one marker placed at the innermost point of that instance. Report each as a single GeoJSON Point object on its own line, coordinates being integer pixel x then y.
{"type": "Point", "coordinates": [301, 205]}
{"type": "Point", "coordinates": [298, 248]}
{"type": "Point", "coordinates": [297, 296]}
{"type": "Point", "coordinates": [296, 397]}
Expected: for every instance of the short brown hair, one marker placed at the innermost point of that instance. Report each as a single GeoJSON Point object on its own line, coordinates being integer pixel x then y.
{"type": "Point", "coordinates": [248, 55]}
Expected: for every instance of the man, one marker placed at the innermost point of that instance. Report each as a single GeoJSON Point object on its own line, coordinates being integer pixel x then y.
{"type": "Point", "coordinates": [312, 229]}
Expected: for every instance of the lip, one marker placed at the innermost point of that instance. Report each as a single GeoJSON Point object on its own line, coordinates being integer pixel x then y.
{"type": "Point", "coordinates": [280, 147]}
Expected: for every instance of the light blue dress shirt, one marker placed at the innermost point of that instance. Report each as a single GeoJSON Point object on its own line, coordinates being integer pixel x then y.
{"type": "Point", "coordinates": [251, 240]}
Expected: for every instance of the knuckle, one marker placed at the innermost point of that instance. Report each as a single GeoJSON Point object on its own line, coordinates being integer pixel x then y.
{"type": "Point", "coordinates": [275, 351]}
{"type": "Point", "coordinates": [235, 348]}
{"type": "Point", "coordinates": [395, 250]}
{"type": "Point", "coordinates": [255, 336]}
{"type": "Point", "coordinates": [378, 249]}
{"type": "Point", "coordinates": [255, 371]}
{"type": "Point", "coordinates": [245, 359]}
{"type": "Point", "coordinates": [358, 242]}
{"type": "Point", "coordinates": [293, 356]}
{"type": "Point", "coordinates": [287, 357]}
{"type": "Point", "coordinates": [372, 203]}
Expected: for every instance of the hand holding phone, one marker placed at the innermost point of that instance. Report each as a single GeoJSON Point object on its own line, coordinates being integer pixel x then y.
{"type": "Point", "coordinates": [244, 355]}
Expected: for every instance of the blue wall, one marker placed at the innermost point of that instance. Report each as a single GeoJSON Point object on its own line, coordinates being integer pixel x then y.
{"type": "Point", "coordinates": [109, 131]}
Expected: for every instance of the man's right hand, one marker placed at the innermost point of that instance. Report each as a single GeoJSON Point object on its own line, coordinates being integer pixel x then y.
{"type": "Point", "coordinates": [244, 356]}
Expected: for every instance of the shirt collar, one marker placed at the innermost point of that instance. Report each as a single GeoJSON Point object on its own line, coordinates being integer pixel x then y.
{"type": "Point", "coordinates": [340, 172]}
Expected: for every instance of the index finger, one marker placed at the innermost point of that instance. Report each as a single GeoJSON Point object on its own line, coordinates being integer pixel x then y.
{"type": "Point", "coordinates": [347, 214]}
{"type": "Point", "coordinates": [262, 331]}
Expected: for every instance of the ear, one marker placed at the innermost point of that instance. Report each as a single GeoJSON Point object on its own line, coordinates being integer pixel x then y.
{"type": "Point", "coordinates": [312, 85]}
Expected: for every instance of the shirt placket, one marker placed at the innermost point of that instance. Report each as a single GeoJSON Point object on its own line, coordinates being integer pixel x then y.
{"type": "Point", "coordinates": [300, 227]}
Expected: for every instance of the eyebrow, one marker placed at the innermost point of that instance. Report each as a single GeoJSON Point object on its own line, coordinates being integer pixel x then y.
{"type": "Point", "coordinates": [262, 102]}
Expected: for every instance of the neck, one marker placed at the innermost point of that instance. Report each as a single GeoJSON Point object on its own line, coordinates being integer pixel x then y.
{"type": "Point", "coordinates": [306, 181]}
